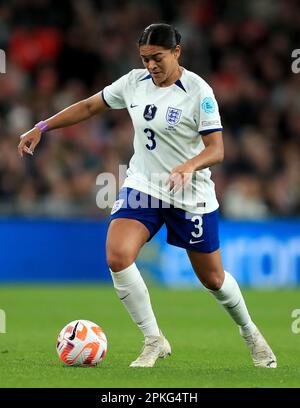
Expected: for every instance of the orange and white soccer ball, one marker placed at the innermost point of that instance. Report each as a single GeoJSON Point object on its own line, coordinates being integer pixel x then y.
{"type": "Point", "coordinates": [81, 343]}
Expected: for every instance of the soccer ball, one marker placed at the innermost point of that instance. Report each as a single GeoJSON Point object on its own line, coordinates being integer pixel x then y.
{"type": "Point", "coordinates": [81, 343]}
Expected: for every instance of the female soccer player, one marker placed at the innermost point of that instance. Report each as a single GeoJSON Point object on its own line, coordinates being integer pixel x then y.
{"type": "Point", "coordinates": [178, 136]}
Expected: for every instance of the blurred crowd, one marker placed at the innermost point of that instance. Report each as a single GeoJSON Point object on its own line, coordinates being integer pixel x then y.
{"type": "Point", "coordinates": [61, 52]}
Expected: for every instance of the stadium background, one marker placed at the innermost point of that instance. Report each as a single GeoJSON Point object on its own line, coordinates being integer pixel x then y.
{"type": "Point", "coordinates": [59, 54]}
{"type": "Point", "coordinates": [51, 230]}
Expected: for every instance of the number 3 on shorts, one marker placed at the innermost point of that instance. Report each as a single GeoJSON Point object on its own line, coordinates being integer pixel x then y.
{"type": "Point", "coordinates": [197, 220]}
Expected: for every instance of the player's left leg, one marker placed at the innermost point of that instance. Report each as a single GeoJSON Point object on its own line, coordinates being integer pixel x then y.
{"type": "Point", "coordinates": [208, 267]}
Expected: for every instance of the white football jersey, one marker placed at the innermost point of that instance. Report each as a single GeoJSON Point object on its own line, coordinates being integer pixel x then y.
{"type": "Point", "coordinates": [169, 123]}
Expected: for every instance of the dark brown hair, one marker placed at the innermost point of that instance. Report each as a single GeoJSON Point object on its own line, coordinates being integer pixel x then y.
{"type": "Point", "coordinates": [160, 34]}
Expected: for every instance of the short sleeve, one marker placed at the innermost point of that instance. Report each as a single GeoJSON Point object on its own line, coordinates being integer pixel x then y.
{"type": "Point", "coordinates": [209, 118]}
{"type": "Point", "coordinates": [114, 94]}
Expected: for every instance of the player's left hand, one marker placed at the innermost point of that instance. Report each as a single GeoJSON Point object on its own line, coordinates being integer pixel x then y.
{"type": "Point", "coordinates": [180, 176]}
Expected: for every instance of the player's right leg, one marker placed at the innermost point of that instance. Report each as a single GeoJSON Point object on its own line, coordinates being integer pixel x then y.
{"type": "Point", "coordinates": [125, 238]}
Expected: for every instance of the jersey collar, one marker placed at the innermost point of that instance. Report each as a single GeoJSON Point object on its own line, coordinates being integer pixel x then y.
{"type": "Point", "coordinates": [178, 82]}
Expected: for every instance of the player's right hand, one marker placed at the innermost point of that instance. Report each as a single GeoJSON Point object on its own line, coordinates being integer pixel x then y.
{"type": "Point", "coordinates": [28, 141]}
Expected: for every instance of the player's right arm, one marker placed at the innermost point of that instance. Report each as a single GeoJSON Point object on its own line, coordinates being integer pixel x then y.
{"type": "Point", "coordinates": [75, 113]}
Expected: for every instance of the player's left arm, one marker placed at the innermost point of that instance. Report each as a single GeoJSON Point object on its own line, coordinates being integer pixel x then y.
{"type": "Point", "coordinates": [211, 155]}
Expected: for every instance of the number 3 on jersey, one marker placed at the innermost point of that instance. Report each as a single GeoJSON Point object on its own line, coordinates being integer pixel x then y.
{"type": "Point", "coordinates": [150, 135]}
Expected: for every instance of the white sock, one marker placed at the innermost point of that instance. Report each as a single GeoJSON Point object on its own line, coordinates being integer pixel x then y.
{"type": "Point", "coordinates": [133, 293]}
{"type": "Point", "coordinates": [231, 298]}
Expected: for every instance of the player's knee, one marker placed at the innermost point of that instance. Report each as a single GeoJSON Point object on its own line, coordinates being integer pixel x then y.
{"type": "Point", "coordinates": [214, 282]}
{"type": "Point", "coordinates": [118, 260]}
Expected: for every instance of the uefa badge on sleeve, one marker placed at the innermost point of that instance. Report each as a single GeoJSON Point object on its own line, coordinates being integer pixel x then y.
{"type": "Point", "coordinates": [208, 105]}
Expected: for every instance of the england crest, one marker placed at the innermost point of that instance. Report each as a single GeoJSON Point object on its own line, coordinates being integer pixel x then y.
{"type": "Point", "coordinates": [117, 205]}
{"type": "Point", "coordinates": [173, 116]}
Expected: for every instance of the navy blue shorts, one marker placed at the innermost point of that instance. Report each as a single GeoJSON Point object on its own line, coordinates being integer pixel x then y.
{"type": "Point", "coordinates": [194, 232]}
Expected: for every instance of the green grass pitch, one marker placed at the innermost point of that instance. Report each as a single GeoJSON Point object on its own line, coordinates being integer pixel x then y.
{"type": "Point", "coordinates": [207, 348]}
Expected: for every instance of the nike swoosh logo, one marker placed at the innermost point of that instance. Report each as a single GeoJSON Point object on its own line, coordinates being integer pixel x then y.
{"type": "Point", "coordinates": [195, 242]}
{"type": "Point", "coordinates": [72, 337]}
{"type": "Point", "coordinates": [133, 106]}
{"type": "Point", "coordinates": [125, 297]}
